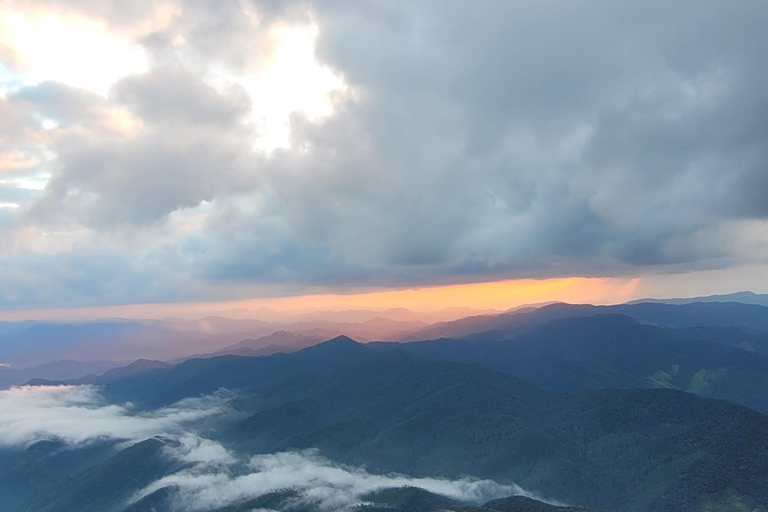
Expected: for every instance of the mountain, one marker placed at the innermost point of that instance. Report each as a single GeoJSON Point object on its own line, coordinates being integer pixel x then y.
{"type": "Point", "coordinates": [12, 327]}
{"type": "Point", "coordinates": [742, 297]}
{"type": "Point", "coordinates": [43, 342]}
{"type": "Point", "coordinates": [25, 344]}
{"type": "Point", "coordinates": [136, 367]}
{"type": "Point", "coordinates": [44, 382]}
{"type": "Point", "coordinates": [468, 325]}
{"type": "Point", "coordinates": [64, 370]}
{"type": "Point", "coordinates": [414, 499]}
{"type": "Point", "coordinates": [50, 477]}
{"type": "Point", "coordinates": [399, 413]}
{"type": "Point", "coordinates": [339, 349]}
{"type": "Point", "coordinates": [612, 351]}
{"type": "Point", "coordinates": [632, 449]}
{"type": "Point", "coordinates": [363, 315]}
{"type": "Point", "coordinates": [750, 318]}
{"type": "Point", "coordinates": [279, 341]}
{"type": "Point", "coordinates": [408, 499]}
{"type": "Point", "coordinates": [524, 504]}
{"type": "Point", "coordinates": [392, 499]}
{"type": "Point", "coordinates": [107, 340]}
{"type": "Point", "coordinates": [391, 411]}
{"type": "Point", "coordinates": [377, 328]}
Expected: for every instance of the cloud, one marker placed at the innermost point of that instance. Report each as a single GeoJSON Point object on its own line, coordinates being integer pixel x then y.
{"type": "Point", "coordinates": [487, 148]}
{"type": "Point", "coordinates": [468, 142]}
{"type": "Point", "coordinates": [187, 151]}
{"type": "Point", "coordinates": [318, 480]}
{"type": "Point", "coordinates": [177, 96]}
{"type": "Point", "coordinates": [62, 103]}
{"type": "Point", "coordinates": [213, 476]}
{"type": "Point", "coordinates": [197, 450]}
{"type": "Point", "coordinates": [78, 414]}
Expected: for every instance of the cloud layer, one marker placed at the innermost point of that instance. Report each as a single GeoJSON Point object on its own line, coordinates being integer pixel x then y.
{"type": "Point", "coordinates": [78, 414]}
{"type": "Point", "coordinates": [319, 482]}
{"type": "Point", "coordinates": [213, 476]}
{"type": "Point", "coordinates": [441, 142]}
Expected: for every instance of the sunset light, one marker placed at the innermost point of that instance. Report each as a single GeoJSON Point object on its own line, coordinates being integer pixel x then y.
{"type": "Point", "coordinates": [383, 256]}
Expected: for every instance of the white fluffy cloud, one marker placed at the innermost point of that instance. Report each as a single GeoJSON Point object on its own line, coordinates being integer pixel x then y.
{"type": "Point", "coordinates": [78, 414]}
{"type": "Point", "coordinates": [318, 481]}
{"type": "Point", "coordinates": [214, 476]}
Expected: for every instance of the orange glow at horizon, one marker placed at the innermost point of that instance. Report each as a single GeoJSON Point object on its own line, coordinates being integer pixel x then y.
{"type": "Point", "coordinates": [500, 295]}
{"type": "Point", "coordinates": [492, 295]}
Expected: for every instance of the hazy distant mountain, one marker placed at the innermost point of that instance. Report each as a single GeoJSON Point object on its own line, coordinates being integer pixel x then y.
{"type": "Point", "coordinates": [99, 341]}
{"type": "Point", "coordinates": [136, 367]}
{"type": "Point", "coordinates": [25, 344]}
{"type": "Point", "coordinates": [278, 341]}
{"type": "Point", "coordinates": [30, 343]}
{"type": "Point", "coordinates": [374, 329]}
{"type": "Point", "coordinates": [12, 327]}
{"type": "Point", "coordinates": [362, 315]}
{"type": "Point", "coordinates": [742, 297]}
{"type": "Point", "coordinates": [751, 318]}
{"type": "Point", "coordinates": [466, 326]}
{"type": "Point", "coordinates": [55, 371]}
{"type": "Point", "coordinates": [43, 342]}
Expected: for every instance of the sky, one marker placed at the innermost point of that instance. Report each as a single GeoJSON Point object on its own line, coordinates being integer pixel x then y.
{"type": "Point", "coordinates": [375, 153]}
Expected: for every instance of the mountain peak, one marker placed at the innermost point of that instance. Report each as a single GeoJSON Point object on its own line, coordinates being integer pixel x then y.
{"type": "Point", "coordinates": [341, 340]}
{"type": "Point", "coordinates": [338, 347]}
{"type": "Point", "coordinates": [138, 366]}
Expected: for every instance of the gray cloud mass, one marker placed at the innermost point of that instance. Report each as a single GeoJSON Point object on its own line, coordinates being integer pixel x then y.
{"type": "Point", "coordinates": [474, 141]}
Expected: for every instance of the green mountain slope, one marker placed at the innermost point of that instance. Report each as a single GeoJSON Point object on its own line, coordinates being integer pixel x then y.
{"type": "Point", "coordinates": [633, 450]}
{"type": "Point", "coordinates": [612, 351]}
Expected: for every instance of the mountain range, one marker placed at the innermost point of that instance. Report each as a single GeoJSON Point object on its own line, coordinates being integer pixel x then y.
{"type": "Point", "coordinates": [630, 408]}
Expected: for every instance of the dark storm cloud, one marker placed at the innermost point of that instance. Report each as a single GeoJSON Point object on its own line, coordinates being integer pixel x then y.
{"type": "Point", "coordinates": [510, 132]}
{"type": "Point", "coordinates": [476, 140]}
